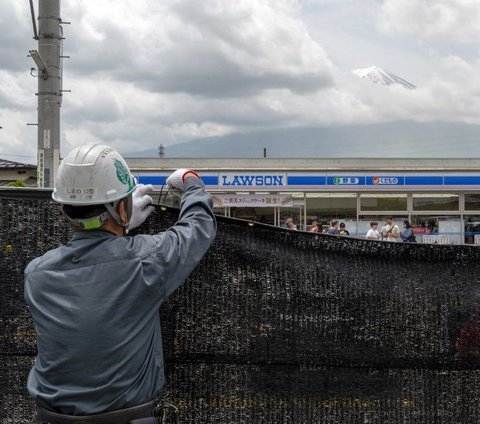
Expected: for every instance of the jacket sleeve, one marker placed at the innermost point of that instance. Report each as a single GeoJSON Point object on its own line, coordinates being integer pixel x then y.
{"type": "Point", "coordinates": [183, 246]}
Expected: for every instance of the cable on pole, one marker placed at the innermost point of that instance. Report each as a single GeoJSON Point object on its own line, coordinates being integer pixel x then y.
{"type": "Point", "coordinates": [32, 11]}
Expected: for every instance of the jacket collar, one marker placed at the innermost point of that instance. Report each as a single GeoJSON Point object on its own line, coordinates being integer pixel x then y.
{"type": "Point", "coordinates": [89, 235]}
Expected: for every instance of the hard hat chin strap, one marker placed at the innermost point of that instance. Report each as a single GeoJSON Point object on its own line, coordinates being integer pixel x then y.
{"type": "Point", "coordinates": [112, 210]}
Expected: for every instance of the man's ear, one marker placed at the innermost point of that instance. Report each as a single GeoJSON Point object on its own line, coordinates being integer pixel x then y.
{"type": "Point", "coordinates": [122, 211]}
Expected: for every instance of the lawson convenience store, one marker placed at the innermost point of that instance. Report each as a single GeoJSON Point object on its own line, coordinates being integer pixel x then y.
{"type": "Point", "coordinates": [440, 197]}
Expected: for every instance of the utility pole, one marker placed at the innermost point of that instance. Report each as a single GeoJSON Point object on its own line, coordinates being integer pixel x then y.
{"type": "Point", "coordinates": [161, 151]}
{"type": "Point", "coordinates": [49, 90]}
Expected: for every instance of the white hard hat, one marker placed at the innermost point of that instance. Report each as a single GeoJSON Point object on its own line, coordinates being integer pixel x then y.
{"type": "Point", "coordinates": [92, 174]}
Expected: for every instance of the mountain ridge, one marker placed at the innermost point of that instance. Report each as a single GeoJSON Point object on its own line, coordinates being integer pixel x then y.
{"type": "Point", "coordinates": [395, 139]}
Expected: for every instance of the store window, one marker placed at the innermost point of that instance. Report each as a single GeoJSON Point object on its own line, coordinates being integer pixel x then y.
{"type": "Point", "coordinates": [383, 202]}
{"type": "Point", "coordinates": [295, 211]}
{"type": "Point", "coordinates": [325, 207]}
{"type": "Point", "coordinates": [472, 229]}
{"type": "Point", "coordinates": [437, 229]}
{"type": "Point", "coordinates": [472, 202]}
{"type": "Point", "coordinates": [220, 211]}
{"type": "Point", "coordinates": [258, 206]}
{"type": "Point", "coordinates": [435, 202]}
{"type": "Point", "coordinates": [364, 222]}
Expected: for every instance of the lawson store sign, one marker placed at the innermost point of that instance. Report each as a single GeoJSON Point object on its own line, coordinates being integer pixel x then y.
{"type": "Point", "coordinates": [252, 180]}
{"type": "Point", "coordinates": [318, 181]}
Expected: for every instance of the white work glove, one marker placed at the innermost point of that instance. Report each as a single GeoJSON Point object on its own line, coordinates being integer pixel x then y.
{"type": "Point", "coordinates": [142, 205]}
{"type": "Point", "coordinates": [177, 178]}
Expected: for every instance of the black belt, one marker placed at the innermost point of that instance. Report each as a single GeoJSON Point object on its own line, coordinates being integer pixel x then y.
{"type": "Point", "coordinates": [141, 414]}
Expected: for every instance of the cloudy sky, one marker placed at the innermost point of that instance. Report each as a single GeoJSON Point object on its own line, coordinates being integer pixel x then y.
{"type": "Point", "coordinates": [145, 72]}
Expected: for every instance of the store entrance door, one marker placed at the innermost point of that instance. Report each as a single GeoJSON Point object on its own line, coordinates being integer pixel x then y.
{"type": "Point", "coordinates": [271, 216]}
{"type": "Point", "coordinates": [263, 215]}
{"type": "Point", "coordinates": [259, 207]}
{"type": "Point", "coordinates": [297, 213]}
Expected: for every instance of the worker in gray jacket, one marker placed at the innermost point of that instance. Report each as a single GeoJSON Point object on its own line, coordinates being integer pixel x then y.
{"type": "Point", "coordinates": [95, 300]}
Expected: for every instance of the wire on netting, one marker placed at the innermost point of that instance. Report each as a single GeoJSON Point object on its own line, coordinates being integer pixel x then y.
{"type": "Point", "coordinates": [161, 204]}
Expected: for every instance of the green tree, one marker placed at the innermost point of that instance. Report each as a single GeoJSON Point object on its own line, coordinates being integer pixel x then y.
{"type": "Point", "coordinates": [16, 183]}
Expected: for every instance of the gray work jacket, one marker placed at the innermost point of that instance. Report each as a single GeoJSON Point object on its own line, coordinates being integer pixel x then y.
{"type": "Point", "coordinates": [95, 304]}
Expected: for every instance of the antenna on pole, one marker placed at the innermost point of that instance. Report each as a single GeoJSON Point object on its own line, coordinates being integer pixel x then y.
{"type": "Point", "coordinates": [34, 23]}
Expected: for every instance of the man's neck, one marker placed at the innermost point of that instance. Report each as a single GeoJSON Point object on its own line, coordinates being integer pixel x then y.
{"type": "Point", "coordinates": [113, 227]}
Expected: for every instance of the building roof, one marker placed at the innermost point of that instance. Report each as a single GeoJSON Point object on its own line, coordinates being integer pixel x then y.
{"type": "Point", "coordinates": [310, 164]}
{"type": "Point", "coordinates": [9, 164]}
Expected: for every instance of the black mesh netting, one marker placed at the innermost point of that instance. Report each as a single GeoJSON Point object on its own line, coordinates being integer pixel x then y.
{"type": "Point", "coordinates": [276, 326]}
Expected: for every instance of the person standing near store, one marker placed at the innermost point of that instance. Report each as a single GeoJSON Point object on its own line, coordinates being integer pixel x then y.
{"type": "Point", "coordinates": [333, 230]}
{"type": "Point", "coordinates": [315, 228]}
{"type": "Point", "coordinates": [343, 229]}
{"type": "Point", "coordinates": [95, 300]}
{"type": "Point", "coordinates": [390, 231]}
{"type": "Point", "coordinates": [372, 233]}
{"type": "Point", "coordinates": [290, 224]}
{"type": "Point", "coordinates": [407, 234]}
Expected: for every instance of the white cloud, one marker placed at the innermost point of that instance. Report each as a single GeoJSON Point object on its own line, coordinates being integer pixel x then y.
{"type": "Point", "coordinates": [18, 106]}
{"type": "Point", "coordinates": [15, 90]}
{"type": "Point", "coordinates": [211, 48]}
{"type": "Point", "coordinates": [144, 72]}
{"type": "Point", "coordinates": [195, 130]}
{"type": "Point", "coordinates": [324, 2]}
{"type": "Point", "coordinates": [450, 19]}
{"type": "Point", "coordinates": [453, 95]}
{"type": "Point", "coordinates": [177, 70]}
{"type": "Point", "coordinates": [16, 138]}
{"type": "Point", "coordinates": [17, 35]}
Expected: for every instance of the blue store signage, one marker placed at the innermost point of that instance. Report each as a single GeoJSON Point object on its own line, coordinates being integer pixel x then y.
{"type": "Point", "coordinates": [310, 180]}
{"type": "Point", "coordinates": [306, 180]}
{"type": "Point", "coordinates": [346, 181]}
{"type": "Point", "coordinates": [465, 180]}
{"type": "Point", "coordinates": [386, 181]}
{"type": "Point", "coordinates": [424, 180]}
{"type": "Point", "coordinates": [253, 180]}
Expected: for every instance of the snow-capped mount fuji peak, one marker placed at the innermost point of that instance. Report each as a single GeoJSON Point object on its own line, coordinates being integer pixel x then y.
{"type": "Point", "coordinates": [382, 76]}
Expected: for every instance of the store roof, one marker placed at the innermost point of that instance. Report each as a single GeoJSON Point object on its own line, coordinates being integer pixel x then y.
{"type": "Point", "coordinates": [308, 164]}
{"type": "Point", "coordinates": [8, 164]}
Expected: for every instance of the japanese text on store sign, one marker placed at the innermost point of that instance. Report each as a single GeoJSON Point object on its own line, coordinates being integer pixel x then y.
{"type": "Point", "coordinates": [252, 201]}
